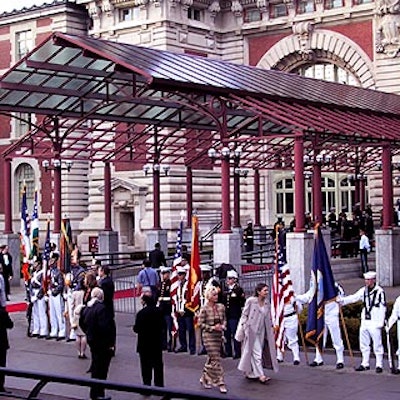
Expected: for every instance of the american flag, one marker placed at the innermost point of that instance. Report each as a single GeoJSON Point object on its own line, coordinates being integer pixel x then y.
{"type": "Point", "coordinates": [282, 289]}
{"type": "Point", "coordinates": [24, 235]}
{"type": "Point", "coordinates": [174, 276]}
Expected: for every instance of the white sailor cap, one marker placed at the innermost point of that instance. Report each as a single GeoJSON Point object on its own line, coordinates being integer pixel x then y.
{"type": "Point", "coordinates": [205, 267]}
{"type": "Point", "coordinates": [232, 274]}
{"type": "Point", "coordinates": [181, 270]}
{"type": "Point", "coordinates": [164, 269]}
{"type": "Point", "coordinates": [370, 275]}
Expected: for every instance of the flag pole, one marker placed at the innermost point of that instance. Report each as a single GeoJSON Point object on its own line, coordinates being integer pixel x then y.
{"type": "Point", "coordinates": [303, 342]}
{"type": "Point", "coordinates": [346, 335]}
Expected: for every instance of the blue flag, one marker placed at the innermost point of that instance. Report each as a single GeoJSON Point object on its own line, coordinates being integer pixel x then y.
{"type": "Point", "coordinates": [323, 289]}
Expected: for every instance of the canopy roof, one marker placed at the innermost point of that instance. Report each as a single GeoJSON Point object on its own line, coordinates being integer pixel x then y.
{"type": "Point", "coordinates": [102, 100]}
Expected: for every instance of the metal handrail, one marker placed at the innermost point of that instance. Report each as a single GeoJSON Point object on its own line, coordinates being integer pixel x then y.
{"type": "Point", "coordinates": [44, 378]}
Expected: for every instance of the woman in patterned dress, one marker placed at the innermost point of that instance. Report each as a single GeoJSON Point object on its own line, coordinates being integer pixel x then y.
{"type": "Point", "coordinates": [212, 321]}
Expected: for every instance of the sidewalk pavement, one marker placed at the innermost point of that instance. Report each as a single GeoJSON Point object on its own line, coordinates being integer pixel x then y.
{"type": "Point", "coordinates": [183, 370]}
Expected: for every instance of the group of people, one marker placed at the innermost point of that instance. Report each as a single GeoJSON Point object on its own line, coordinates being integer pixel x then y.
{"type": "Point", "coordinates": [224, 325]}
{"type": "Point", "coordinates": [74, 306]}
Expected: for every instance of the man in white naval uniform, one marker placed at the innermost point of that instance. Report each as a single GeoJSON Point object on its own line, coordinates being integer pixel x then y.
{"type": "Point", "coordinates": [291, 326]}
{"type": "Point", "coordinates": [395, 317]}
{"type": "Point", "coordinates": [331, 320]}
{"type": "Point", "coordinates": [372, 320]}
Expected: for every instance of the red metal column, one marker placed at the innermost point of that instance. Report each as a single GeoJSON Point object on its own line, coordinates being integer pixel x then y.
{"type": "Point", "coordinates": [387, 188]}
{"type": "Point", "coordinates": [7, 197]}
{"type": "Point", "coordinates": [257, 198]}
{"type": "Point", "coordinates": [57, 199]}
{"type": "Point", "coordinates": [225, 185]}
{"type": "Point", "coordinates": [317, 193]}
{"type": "Point", "coordinates": [156, 198]}
{"type": "Point", "coordinates": [299, 191]}
{"type": "Point", "coordinates": [236, 200]}
{"type": "Point", "coordinates": [357, 189]}
{"type": "Point", "coordinates": [362, 192]}
{"type": "Point", "coordinates": [189, 196]}
{"type": "Point", "coordinates": [107, 197]}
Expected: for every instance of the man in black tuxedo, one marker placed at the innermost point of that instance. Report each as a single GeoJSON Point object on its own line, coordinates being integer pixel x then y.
{"type": "Point", "coordinates": [5, 323]}
{"type": "Point", "coordinates": [149, 326]}
{"type": "Point", "coordinates": [6, 264]}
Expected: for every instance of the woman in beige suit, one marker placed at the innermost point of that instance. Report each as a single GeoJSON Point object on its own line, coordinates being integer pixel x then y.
{"type": "Point", "coordinates": [257, 337]}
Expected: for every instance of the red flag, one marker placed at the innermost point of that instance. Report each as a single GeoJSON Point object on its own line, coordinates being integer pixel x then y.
{"type": "Point", "coordinates": [194, 272]}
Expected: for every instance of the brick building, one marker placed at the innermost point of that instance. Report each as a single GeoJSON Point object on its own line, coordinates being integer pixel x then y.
{"type": "Point", "coordinates": [346, 41]}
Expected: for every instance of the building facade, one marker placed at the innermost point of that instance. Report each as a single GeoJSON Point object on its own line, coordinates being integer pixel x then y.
{"type": "Point", "coordinates": [352, 42]}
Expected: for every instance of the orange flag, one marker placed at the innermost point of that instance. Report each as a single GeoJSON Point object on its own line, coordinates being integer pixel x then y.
{"type": "Point", "coordinates": [194, 272]}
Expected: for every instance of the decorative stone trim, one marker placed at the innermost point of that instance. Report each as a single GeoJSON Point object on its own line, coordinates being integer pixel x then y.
{"type": "Point", "coordinates": [323, 45]}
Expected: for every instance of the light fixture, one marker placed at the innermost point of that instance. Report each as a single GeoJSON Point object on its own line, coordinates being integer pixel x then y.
{"type": "Point", "coordinates": [225, 152]}
{"type": "Point", "coordinates": [148, 168]}
{"type": "Point", "coordinates": [56, 163]}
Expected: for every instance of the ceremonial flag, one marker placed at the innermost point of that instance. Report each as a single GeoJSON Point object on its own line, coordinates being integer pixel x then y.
{"type": "Point", "coordinates": [323, 289]}
{"type": "Point", "coordinates": [194, 272]}
{"type": "Point", "coordinates": [35, 228]}
{"type": "Point", "coordinates": [282, 288]}
{"type": "Point", "coordinates": [46, 256]}
{"type": "Point", "coordinates": [24, 236]}
{"type": "Point", "coordinates": [174, 276]}
{"type": "Point", "coordinates": [65, 246]}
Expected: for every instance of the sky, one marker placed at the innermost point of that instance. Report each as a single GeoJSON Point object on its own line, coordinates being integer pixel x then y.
{"type": "Point", "coordinates": [7, 5]}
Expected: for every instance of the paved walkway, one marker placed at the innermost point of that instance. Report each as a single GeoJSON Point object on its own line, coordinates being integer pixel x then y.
{"type": "Point", "coordinates": [182, 370]}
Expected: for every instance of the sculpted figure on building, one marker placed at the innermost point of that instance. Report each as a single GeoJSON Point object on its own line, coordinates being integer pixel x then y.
{"type": "Point", "coordinates": [388, 23]}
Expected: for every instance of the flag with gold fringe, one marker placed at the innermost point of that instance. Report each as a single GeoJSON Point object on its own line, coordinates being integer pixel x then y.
{"type": "Point", "coordinates": [193, 296]}
{"type": "Point", "coordinates": [66, 246]}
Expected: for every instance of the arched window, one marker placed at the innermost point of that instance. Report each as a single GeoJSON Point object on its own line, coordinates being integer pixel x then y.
{"type": "Point", "coordinates": [327, 72]}
{"type": "Point", "coordinates": [25, 174]}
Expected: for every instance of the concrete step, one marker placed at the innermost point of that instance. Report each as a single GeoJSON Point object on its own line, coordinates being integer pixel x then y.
{"type": "Point", "coordinates": [348, 268]}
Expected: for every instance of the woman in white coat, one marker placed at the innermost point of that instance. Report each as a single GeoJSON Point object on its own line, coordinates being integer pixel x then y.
{"type": "Point", "coordinates": [257, 337]}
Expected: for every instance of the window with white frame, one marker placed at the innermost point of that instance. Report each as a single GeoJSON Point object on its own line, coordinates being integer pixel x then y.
{"type": "Point", "coordinates": [22, 124]}
{"type": "Point", "coordinates": [195, 14]}
{"type": "Point", "coordinates": [285, 196]}
{"type": "Point", "coordinates": [129, 14]}
{"type": "Point", "coordinates": [24, 43]}
{"type": "Point", "coordinates": [25, 175]}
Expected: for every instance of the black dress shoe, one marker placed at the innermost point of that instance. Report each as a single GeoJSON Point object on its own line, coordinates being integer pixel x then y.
{"type": "Point", "coordinates": [51, 337]}
{"type": "Point", "coordinates": [181, 350]}
{"type": "Point", "coordinates": [70, 340]}
{"type": "Point", "coordinates": [362, 368]}
{"type": "Point", "coordinates": [378, 370]}
{"type": "Point", "coordinates": [279, 360]}
{"type": "Point", "coordinates": [316, 364]}
{"type": "Point", "coordinates": [396, 371]}
{"type": "Point", "coordinates": [339, 366]}
{"type": "Point", "coordinates": [60, 338]}
{"type": "Point", "coordinates": [296, 362]}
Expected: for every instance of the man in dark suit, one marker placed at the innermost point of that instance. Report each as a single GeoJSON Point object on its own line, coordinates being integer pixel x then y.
{"type": "Point", "coordinates": [5, 323]}
{"type": "Point", "coordinates": [157, 257]}
{"type": "Point", "coordinates": [99, 325]}
{"type": "Point", "coordinates": [149, 326]}
{"type": "Point", "coordinates": [6, 264]}
{"type": "Point", "coordinates": [106, 283]}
